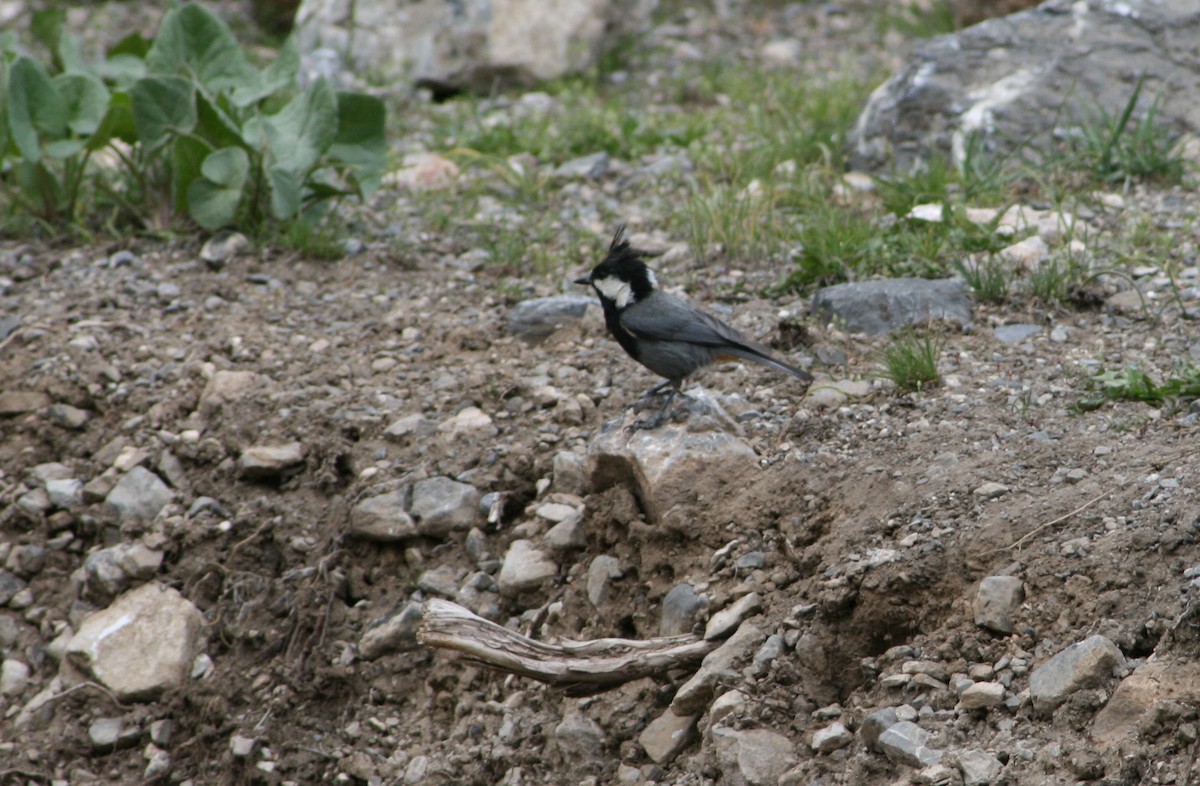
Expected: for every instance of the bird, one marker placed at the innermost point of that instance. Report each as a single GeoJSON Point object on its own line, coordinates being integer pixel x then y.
{"type": "Point", "coordinates": [662, 331]}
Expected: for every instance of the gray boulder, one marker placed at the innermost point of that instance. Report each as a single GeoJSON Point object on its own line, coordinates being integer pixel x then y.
{"type": "Point", "coordinates": [874, 307]}
{"type": "Point", "coordinates": [1024, 78]}
{"type": "Point", "coordinates": [455, 46]}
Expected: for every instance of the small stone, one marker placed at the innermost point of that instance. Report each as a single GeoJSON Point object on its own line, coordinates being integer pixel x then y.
{"type": "Point", "coordinates": [1026, 254]}
{"type": "Point", "coordinates": [538, 318]}
{"type": "Point", "coordinates": [569, 470]}
{"type": "Point", "coordinates": [36, 503]}
{"type": "Point", "coordinates": [783, 50]}
{"type": "Point", "coordinates": [682, 608]}
{"type": "Point", "coordinates": [383, 518]}
{"type": "Point", "coordinates": [667, 735]}
{"type": "Point", "coordinates": [904, 743]}
{"type": "Point", "coordinates": [831, 738]}
{"type": "Point", "coordinates": [394, 632]}
{"type": "Point", "coordinates": [757, 757]}
{"type": "Point", "coordinates": [1015, 334]}
{"type": "Point", "coordinates": [270, 461]}
{"type": "Point", "coordinates": [470, 423]}
{"type": "Point", "coordinates": [442, 580]}
{"type": "Point", "coordinates": [567, 534]}
{"type": "Point", "coordinates": [410, 426]}
{"type": "Point", "coordinates": [723, 622]}
{"type": "Point", "coordinates": [138, 496]}
{"type": "Point", "coordinates": [162, 731]}
{"type": "Point", "coordinates": [14, 676]}
{"type": "Point", "coordinates": [222, 247]}
{"type": "Point", "coordinates": [602, 570]}
{"type": "Point", "coordinates": [580, 739]}
{"type": "Point", "coordinates": [991, 490]}
{"type": "Point", "coordinates": [18, 402]}
{"type": "Point", "coordinates": [981, 695]}
{"type": "Point", "coordinates": [242, 746]}
{"type": "Point", "coordinates": [158, 763]}
{"type": "Point", "coordinates": [979, 768]}
{"type": "Point", "coordinates": [441, 506]}
{"type": "Point", "coordinates": [717, 667]}
{"type": "Point", "coordinates": [65, 494]}
{"type": "Point", "coordinates": [110, 734]}
{"type": "Point", "coordinates": [68, 417]}
{"type": "Point", "coordinates": [525, 567]}
{"type": "Point", "coordinates": [226, 387]}
{"type": "Point", "coordinates": [1081, 665]}
{"type": "Point", "coordinates": [997, 599]}
{"type": "Point", "coordinates": [875, 724]}
{"type": "Point", "coordinates": [10, 585]}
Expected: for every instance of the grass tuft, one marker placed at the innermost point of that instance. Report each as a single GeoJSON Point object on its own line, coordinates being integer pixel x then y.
{"type": "Point", "coordinates": [910, 361]}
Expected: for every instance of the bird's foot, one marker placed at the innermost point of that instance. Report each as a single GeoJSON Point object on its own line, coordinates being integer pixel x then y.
{"type": "Point", "coordinates": [661, 417]}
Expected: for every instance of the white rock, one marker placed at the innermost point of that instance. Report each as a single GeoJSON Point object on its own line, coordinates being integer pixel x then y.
{"type": "Point", "coordinates": [525, 567]}
{"type": "Point", "coordinates": [983, 694]}
{"type": "Point", "coordinates": [996, 600]}
{"type": "Point", "coordinates": [757, 757]}
{"type": "Point", "coordinates": [469, 422]}
{"type": "Point", "coordinates": [141, 645]}
{"type": "Point", "coordinates": [14, 675]}
{"type": "Point", "coordinates": [601, 571]}
{"type": "Point", "coordinates": [667, 735]}
{"type": "Point", "coordinates": [830, 738]}
{"type": "Point", "coordinates": [1081, 665]}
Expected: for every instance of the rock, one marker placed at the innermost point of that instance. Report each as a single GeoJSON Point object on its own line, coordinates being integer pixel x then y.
{"type": "Point", "coordinates": [757, 757]}
{"type": "Point", "coordinates": [580, 740]}
{"type": "Point", "coordinates": [66, 494]}
{"type": "Point", "coordinates": [226, 387]}
{"type": "Point", "coordinates": [569, 472]}
{"type": "Point", "coordinates": [383, 518]}
{"type": "Point", "coordinates": [110, 571]}
{"type": "Point", "coordinates": [421, 171]}
{"type": "Point", "coordinates": [991, 490]}
{"type": "Point", "coordinates": [110, 734]}
{"type": "Point", "coordinates": [875, 724]}
{"type": "Point", "coordinates": [10, 585]}
{"type": "Point", "coordinates": [478, 46]}
{"type": "Point", "coordinates": [18, 402]}
{"type": "Point", "coordinates": [396, 631]}
{"type": "Point", "coordinates": [158, 763]}
{"type": "Point", "coordinates": [830, 738]}
{"type": "Point", "coordinates": [141, 645]}
{"type": "Point", "coordinates": [42, 474]}
{"type": "Point", "coordinates": [904, 743]}
{"type": "Point", "coordinates": [875, 307]}
{"type": "Point", "coordinates": [1081, 665]}
{"type": "Point", "coordinates": [591, 167]}
{"type": "Point", "coordinates": [726, 704]}
{"type": "Point", "coordinates": [979, 768]}
{"type": "Point", "coordinates": [270, 461]}
{"type": "Point", "coordinates": [35, 503]}
{"type": "Point", "coordinates": [441, 506]}
{"type": "Point", "coordinates": [996, 600]}
{"type": "Point", "coordinates": [666, 736]}
{"type": "Point", "coordinates": [717, 667]}
{"type": "Point", "coordinates": [727, 619]}
{"type": "Point", "coordinates": [1155, 685]}
{"type": "Point", "coordinates": [1015, 334]}
{"type": "Point", "coordinates": [442, 580]}
{"type": "Point", "coordinates": [540, 317]}
{"type": "Point", "coordinates": [601, 571]}
{"type": "Point", "coordinates": [525, 567]}
{"type": "Point", "coordinates": [954, 89]}
{"type": "Point", "coordinates": [1026, 254]}
{"type": "Point", "coordinates": [567, 534]}
{"type": "Point", "coordinates": [222, 247]}
{"type": "Point", "coordinates": [682, 608]}
{"type": "Point", "coordinates": [162, 731]}
{"type": "Point", "coordinates": [469, 423]}
{"type": "Point", "coordinates": [662, 465]}
{"type": "Point", "coordinates": [1129, 302]}
{"type": "Point", "coordinates": [241, 746]}
{"type": "Point", "coordinates": [14, 676]}
{"type": "Point", "coordinates": [981, 695]}
{"type": "Point", "coordinates": [138, 496]}
{"type": "Point", "coordinates": [415, 425]}
{"type": "Point", "coordinates": [67, 416]}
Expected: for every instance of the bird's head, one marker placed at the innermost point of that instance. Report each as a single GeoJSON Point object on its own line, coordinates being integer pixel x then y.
{"type": "Point", "coordinates": [622, 278]}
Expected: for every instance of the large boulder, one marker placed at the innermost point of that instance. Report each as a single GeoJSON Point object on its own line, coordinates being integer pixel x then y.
{"type": "Point", "coordinates": [1019, 79]}
{"type": "Point", "coordinates": [455, 46]}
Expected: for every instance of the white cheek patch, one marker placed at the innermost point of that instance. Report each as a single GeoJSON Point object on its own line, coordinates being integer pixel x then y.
{"type": "Point", "coordinates": [616, 290]}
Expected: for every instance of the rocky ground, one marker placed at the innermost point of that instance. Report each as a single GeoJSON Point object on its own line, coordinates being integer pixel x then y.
{"type": "Point", "coordinates": [228, 479]}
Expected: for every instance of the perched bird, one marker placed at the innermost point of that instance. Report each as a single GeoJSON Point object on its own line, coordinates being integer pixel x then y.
{"type": "Point", "coordinates": [663, 332]}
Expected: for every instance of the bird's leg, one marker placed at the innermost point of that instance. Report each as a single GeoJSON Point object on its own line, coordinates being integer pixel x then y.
{"type": "Point", "coordinates": [657, 390]}
{"type": "Point", "coordinates": [657, 420]}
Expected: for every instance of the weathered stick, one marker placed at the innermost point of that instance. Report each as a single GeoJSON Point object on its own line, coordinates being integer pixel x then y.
{"type": "Point", "coordinates": [579, 667]}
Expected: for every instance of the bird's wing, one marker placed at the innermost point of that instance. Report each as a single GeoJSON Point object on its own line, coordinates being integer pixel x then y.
{"type": "Point", "coordinates": [663, 317]}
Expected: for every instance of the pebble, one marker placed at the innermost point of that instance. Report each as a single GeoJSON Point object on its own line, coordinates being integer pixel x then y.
{"type": "Point", "coordinates": [262, 462]}
{"type": "Point", "coordinates": [1015, 334]}
{"type": "Point", "coordinates": [14, 676]}
{"type": "Point", "coordinates": [567, 534]}
{"type": "Point", "coordinates": [222, 247]}
{"type": "Point", "coordinates": [991, 490]}
{"type": "Point", "coordinates": [695, 694]}
{"type": "Point", "coordinates": [981, 695]}
{"type": "Point", "coordinates": [682, 608]}
{"type": "Point", "coordinates": [756, 757]}
{"type": "Point", "coordinates": [442, 580]}
{"type": "Point", "coordinates": [979, 768]}
{"type": "Point", "coordinates": [727, 619]}
{"type": "Point", "coordinates": [469, 423]}
{"type": "Point", "coordinates": [525, 567]}
{"type": "Point", "coordinates": [110, 734]}
{"type": "Point", "coordinates": [138, 496]}
{"type": "Point", "coordinates": [18, 402]}
{"type": "Point", "coordinates": [601, 571]}
{"type": "Point", "coordinates": [580, 739]}
{"type": "Point", "coordinates": [414, 425]}
{"type": "Point", "coordinates": [68, 417]}
{"type": "Point", "coordinates": [666, 736]}
{"type": "Point", "coordinates": [1081, 665]}
{"type": "Point", "coordinates": [904, 743]}
{"type": "Point", "coordinates": [383, 518]}
{"type": "Point", "coordinates": [831, 738]}
{"type": "Point", "coordinates": [396, 631]}
{"type": "Point", "coordinates": [996, 600]}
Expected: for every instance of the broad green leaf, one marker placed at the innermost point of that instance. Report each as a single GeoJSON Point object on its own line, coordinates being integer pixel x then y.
{"type": "Point", "coordinates": [162, 106]}
{"type": "Point", "coordinates": [300, 133]}
{"type": "Point", "coordinates": [361, 140]}
{"type": "Point", "coordinates": [214, 197]}
{"type": "Point", "coordinates": [285, 192]}
{"type": "Point", "coordinates": [35, 107]}
{"type": "Point", "coordinates": [40, 186]}
{"type": "Point", "coordinates": [87, 101]}
{"type": "Point", "coordinates": [187, 156]}
{"type": "Point", "coordinates": [122, 69]}
{"type": "Point", "coordinates": [227, 167]}
{"type": "Point", "coordinates": [64, 148]}
{"type": "Point", "coordinates": [215, 125]}
{"type": "Point", "coordinates": [133, 44]}
{"type": "Point", "coordinates": [278, 76]}
{"type": "Point", "coordinates": [69, 60]}
{"type": "Point", "coordinates": [195, 43]}
{"type": "Point", "coordinates": [117, 123]}
{"type": "Point", "coordinates": [46, 25]}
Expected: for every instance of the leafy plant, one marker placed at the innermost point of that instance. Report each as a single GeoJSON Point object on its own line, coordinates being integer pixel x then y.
{"type": "Point", "coordinates": [1133, 384]}
{"type": "Point", "coordinates": [911, 361]}
{"type": "Point", "coordinates": [989, 279]}
{"type": "Point", "coordinates": [1117, 149]}
{"type": "Point", "coordinates": [183, 125]}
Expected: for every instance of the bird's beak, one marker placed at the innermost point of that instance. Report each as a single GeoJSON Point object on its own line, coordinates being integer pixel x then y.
{"type": "Point", "coordinates": [585, 280]}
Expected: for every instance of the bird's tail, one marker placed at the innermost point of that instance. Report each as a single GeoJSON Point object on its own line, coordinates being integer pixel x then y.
{"type": "Point", "coordinates": [767, 360]}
